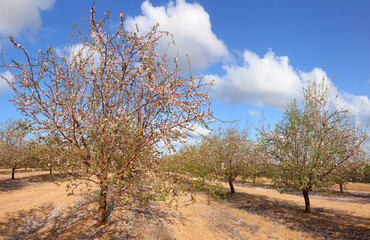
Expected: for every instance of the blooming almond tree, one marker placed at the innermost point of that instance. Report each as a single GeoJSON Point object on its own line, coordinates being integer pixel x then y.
{"type": "Point", "coordinates": [311, 143]}
{"type": "Point", "coordinates": [351, 170]}
{"type": "Point", "coordinates": [195, 160]}
{"type": "Point", "coordinates": [222, 155]}
{"type": "Point", "coordinates": [230, 153]}
{"type": "Point", "coordinates": [49, 150]}
{"type": "Point", "coordinates": [14, 152]}
{"type": "Point", "coordinates": [259, 164]}
{"type": "Point", "coordinates": [111, 99]}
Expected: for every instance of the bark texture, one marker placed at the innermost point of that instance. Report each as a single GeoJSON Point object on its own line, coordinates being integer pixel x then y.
{"type": "Point", "coordinates": [232, 189]}
{"type": "Point", "coordinates": [13, 171]}
{"type": "Point", "coordinates": [102, 205]}
{"type": "Point", "coordinates": [306, 201]}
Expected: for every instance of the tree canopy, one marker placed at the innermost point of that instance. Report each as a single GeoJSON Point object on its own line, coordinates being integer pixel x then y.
{"type": "Point", "coordinates": [113, 102]}
{"type": "Point", "coordinates": [312, 141]}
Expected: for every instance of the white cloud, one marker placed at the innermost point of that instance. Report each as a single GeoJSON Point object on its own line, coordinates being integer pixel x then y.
{"type": "Point", "coordinates": [21, 16]}
{"type": "Point", "coordinates": [254, 113]}
{"type": "Point", "coordinates": [3, 84]}
{"type": "Point", "coordinates": [359, 106]}
{"type": "Point", "coordinates": [195, 135]}
{"type": "Point", "coordinates": [272, 81]}
{"type": "Point", "coordinates": [79, 51]}
{"type": "Point", "coordinates": [317, 74]}
{"type": "Point", "coordinates": [199, 131]}
{"type": "Point", "coordinates": [269, 80]}
{"type": "Point", "coordinates": [190, 24]}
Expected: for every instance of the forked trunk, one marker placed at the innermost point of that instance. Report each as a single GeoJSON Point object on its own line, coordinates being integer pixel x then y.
{"type": "Point", "coordinates": [306, 200]}
{"type": "Point", "coordinates": [341, 188]}
{"type": "Point", "coordinates": [102, 204]}
{"type": "Point", "coordinates": [13, 171]}
{"type": "Point", "coordinates": [232, 190]}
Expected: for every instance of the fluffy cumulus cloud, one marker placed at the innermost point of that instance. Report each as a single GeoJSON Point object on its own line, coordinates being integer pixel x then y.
{"type": "Point", "coordinates": [3, 84]}
{"type": "Point", "coordinates": [268, 80]}
{"type": "Point", "coordinates": [359, 106]}
{"type": "Point", "coordinates": [191, 27]}
{"type": "Point", "coordinates": [317, 74]}
{"type": "Point", "coordinates": [21, 16]}
{"type": "Point", "coordinates": [79, 51]}
{"type": "Point", "coordinates": [272, 81]}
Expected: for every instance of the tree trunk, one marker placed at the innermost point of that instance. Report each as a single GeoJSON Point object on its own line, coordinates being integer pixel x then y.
{"type": "Point", "coordinates": [13, 171]}
{"type": "Point", "coordinates": [102, 204]}
{"type": "Point", "coordinates": [51, 171]}
{"type": "Point", "coordinates": [306, 200]}
{"type": "Point", "coordinates": [232, 190]}
{"type": "Point", "coordinates": [341, 188]}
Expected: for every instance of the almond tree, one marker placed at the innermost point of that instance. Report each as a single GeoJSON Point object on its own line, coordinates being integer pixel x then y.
{"type": "Point", "coordinates": [110, 98]}
{"type": "Point", "coordinates": [196, 160]}
{"type": "Point", "coordinates": [14, 151]}
{"type": "Point", "coordinates": [350, 171]}
{"type": "Point", "coordinates": [365, 176]}
{"type": "Point", "coordinates": [48, 151]}
{"type": "Point", "coordinates": [259, 164]}
{"type": "Point", "coordinates": [231, 153]}
{"type": "Point", "coordinates": [191, 160]}
{"type": "Point", "coordinates": [223, 155]}
{"type": "Point", "coordinates": [311, 142]}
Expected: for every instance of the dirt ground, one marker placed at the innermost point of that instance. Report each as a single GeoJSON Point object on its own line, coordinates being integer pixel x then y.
{"type": "Point", "coordinates": [33, 207]}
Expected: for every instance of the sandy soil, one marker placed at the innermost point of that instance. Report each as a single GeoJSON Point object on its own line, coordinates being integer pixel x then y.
{"type": "Point", "coordinates": [27, 192]}
{"type": "Point", "coordinates": [32, 207]}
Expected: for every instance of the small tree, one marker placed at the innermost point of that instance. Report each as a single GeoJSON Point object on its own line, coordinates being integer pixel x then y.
{"type": "Point", "coordinates": [110, 99]}
{"type": "Point", "coordinates": [230, 149]}
{"type": "Point", "coordinates": [194, 160]}
{"type": "Point", "coordinates": [14, 151]}
{"type": "Point", "coordinates": [309, 144]}
{"type": "Point", "coordinates": [350, 171]}
{"type": "Point", "coordinates": [49, 152]}
{"type": "Point", "coordinates": [259, 164]}
{"type": "Point", "coordinates": [365, 176]}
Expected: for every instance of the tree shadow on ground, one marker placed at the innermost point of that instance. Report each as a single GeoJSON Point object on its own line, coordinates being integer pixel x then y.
{"type": "Point", "coordinates": [321, 223]}
{"type": "Point", "coordinates": [363, 197]}
{"type": "Point", "coordinates": [79, 222]}
{"type": "Point", "coordinates": [8, 171]}
{"type": "Point", "coordinates": [352, 196]}
{"type": "Point", "coordinates": [19, 183]}
{"type": "Point", "coordinates": [11, 185]}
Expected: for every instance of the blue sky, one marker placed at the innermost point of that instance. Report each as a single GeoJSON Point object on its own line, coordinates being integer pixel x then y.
{"type": "Point", "coordinates": [260, 53]}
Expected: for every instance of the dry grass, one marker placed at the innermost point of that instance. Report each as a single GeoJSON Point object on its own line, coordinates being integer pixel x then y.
{"type": "Point", "coordinates": [32, 207]}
